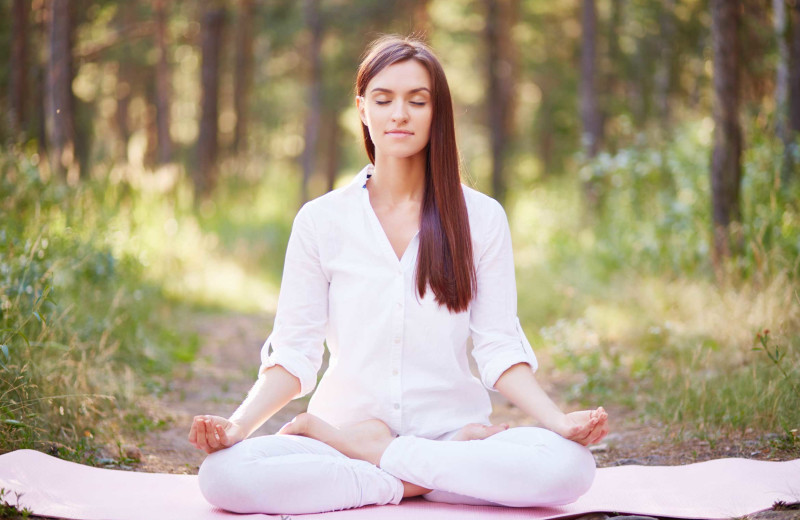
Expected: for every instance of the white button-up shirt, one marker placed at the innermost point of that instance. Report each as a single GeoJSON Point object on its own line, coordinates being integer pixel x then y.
{"type": "Point", "coordinates": [393, 356]}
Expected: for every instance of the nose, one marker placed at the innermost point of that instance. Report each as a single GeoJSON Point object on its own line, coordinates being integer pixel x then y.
{"type": "Point", "coordinates": [400, 113]}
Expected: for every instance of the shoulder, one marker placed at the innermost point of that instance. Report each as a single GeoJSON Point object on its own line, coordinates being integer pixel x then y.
{"type": "Point", "coordinates": [485, 213]}
{"type": "Point", "coordinates": [332, 205]}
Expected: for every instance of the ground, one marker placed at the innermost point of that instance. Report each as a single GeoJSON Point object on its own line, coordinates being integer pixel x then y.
{"type": "Point", "coordinates": [228, 361]}
{"type": "Point", "coordinates": [227, 365]}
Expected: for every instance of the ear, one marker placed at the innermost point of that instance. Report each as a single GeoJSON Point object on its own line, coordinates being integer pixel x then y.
{"type": "Point", "coordinates": [362, 109]}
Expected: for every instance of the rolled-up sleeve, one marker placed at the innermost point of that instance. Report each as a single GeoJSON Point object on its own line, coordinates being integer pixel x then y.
{"type": "Point", "coordinates": [296, 341]}
{"type": "Point", "coordinates": [497, 336]}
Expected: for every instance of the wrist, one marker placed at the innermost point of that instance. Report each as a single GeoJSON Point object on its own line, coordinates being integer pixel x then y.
{"type": "Point", "coordinates": [554, 421]}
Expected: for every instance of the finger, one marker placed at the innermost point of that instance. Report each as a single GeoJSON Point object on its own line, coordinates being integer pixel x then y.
{"type": "Point", "coordinates": [193, 432]}
{"type": "Point", "coordinates": [202, 436]}
{"type": "Point", "coordinates": [583, 438]}
{"type": "Point", "coordinates": [586, 432]}
{"type": "Point", "coordinates": [595, 436]}
{"type": "Point", "coordinates": [601, 433]}
{"type": "Point", "coordinates": [223, 436]}
{"type": "Point", "coordinates": [211, 437]}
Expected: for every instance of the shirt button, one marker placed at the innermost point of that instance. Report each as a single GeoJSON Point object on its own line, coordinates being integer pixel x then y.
{"type": "Point", "coordinates": [395, 372]}
{"type": "Point", "coordinates": [397, 339]}
{"type": "Point", "coordinates": [396, 406]}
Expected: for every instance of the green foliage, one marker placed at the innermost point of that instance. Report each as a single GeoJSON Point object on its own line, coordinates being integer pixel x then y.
{"type": "Point", "coordinates": [626, 302]}
{"type": "Point", "coordinates": [82, 329]}
{"type": "Point", "coordinates": [13, 511]}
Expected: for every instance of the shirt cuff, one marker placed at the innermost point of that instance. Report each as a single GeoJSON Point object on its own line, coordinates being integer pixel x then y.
{"type": "Point", "coordinates": [523, 353]}
{"type": "Point", "coordinates": [294, 362]}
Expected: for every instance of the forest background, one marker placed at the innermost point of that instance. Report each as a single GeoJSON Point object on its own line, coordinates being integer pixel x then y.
{"type": "Point", "coordinates": [647, 152]}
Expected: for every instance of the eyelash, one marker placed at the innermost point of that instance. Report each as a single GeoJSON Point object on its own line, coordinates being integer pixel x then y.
{"type": "Point", "coordinates": [416, 103]}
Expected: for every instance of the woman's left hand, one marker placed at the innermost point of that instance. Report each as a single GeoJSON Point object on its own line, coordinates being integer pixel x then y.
{"type": "Point", "coordinates": [584, 427]}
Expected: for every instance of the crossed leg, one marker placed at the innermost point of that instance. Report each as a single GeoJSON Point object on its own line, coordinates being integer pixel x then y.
{"type": "Point", "coordinates": [315, 467]}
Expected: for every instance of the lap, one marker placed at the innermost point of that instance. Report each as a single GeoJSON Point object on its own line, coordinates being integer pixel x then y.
{"type": "Point", "coordinates": [276, 446]}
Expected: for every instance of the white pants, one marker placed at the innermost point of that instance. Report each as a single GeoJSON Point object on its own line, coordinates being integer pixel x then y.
{"type": "Point", "coordinates": [291, 474]}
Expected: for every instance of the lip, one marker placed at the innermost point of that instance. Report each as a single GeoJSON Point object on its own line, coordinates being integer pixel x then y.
{"type": "Point", "coordinates": [399, 132]}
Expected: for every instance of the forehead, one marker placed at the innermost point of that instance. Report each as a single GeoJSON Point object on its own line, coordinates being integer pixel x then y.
{"type": "Point", "coordinates": [401, 77]}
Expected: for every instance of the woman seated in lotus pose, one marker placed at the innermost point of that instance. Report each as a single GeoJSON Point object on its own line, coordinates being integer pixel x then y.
{"type": "Point", "coordinates": [395, 272]}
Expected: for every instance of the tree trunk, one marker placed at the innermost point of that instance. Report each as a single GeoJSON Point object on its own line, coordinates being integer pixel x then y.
{"type": "Point", "coordinates": [590, 112]}
{"type": "Point", "coordinates": [19, 67]}
{"type": "Point", "coordinates": [794, 80]}
{"type": "Point", "coordinates": [614, 74]}
{"type": "Point", "coordinates": [499, 93]}
{"type": "Point", "coordinates": [332, 154]}
{"type": "Point", "coordinates": [162, 90]}
{"type": "Point", "coordinates": [126, 17]}
{"type": "Point", "coordinates": [663, 79]}
{"type": "Point", "coordinates": [59, 102]}
{"type": "Point", "coordinates": [726, 170]}
{"type": "Point", "coordinates": [314, 24]}
{"type": "Point", "coordinates": [243, 72]}
{"type": "Point", "coordinates": [782, 69]}
{"type": "Point", "coordinates": [207, 143]}
{"type": "Point", "coordinates": [38, 114]}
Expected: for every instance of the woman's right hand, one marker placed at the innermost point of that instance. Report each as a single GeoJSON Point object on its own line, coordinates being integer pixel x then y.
{"type": "Point", "coordinates": [212, 433]}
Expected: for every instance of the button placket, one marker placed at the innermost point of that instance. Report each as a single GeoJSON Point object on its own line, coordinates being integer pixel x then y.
{"type": "Point", "coordinates": [396, 352]}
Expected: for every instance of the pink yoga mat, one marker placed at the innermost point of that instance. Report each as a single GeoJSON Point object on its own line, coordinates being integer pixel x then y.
{"type": "Point", "coordinates": [723, 488]}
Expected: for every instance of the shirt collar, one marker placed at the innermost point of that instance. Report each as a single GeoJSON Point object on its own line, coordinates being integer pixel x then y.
{"type": "Point", "coordinates": [360, 179]}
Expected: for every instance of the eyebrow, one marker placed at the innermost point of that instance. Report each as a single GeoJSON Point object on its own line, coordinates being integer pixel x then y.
{"type": "Point", "coordinates": [412, 91]}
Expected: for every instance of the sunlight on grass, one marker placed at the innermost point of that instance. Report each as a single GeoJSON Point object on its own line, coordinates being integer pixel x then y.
{"type": "Point", "coordinates": [622, 306]}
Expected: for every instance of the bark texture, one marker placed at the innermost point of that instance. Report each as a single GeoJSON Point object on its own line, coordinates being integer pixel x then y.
{"type": "Point", "coordinates": [207, 141]}
{"type": "Point", "coordinates": [243, 73]}
{"type": "Point", "coordinates": [794, 69]}
{"type": "Point", "coordinates": [501, 61]}
{"type": "Point", "coordinates": [59, 101]}
{"type": "Point", "coordinates": [590, 111]}
{"type": "Point", "coordinates": [312, 126]}
{"type": "Point", "coordinates": [18, 72]}
{"type": "Point", "coordinates": [726, 169]}
{"type": "Point", "coordinates": [162, 91]}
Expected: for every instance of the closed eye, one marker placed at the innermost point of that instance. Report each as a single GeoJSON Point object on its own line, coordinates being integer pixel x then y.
{"type": "Point", "coordinates": [415, 103]}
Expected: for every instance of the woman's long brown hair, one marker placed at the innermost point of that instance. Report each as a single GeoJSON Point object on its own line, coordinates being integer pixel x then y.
{"type": "Point", "coordinates": [445, 260]}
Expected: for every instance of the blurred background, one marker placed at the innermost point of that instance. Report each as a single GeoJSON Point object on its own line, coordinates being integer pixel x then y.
{"type": "Point", "coordinates": [155, 152]}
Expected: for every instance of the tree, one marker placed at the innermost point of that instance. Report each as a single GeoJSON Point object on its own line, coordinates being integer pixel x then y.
{"type": "Point", "coordinates": [794, 79]}
{"type": "Point", "coordinates": [499, 94]}
{"type": "Point", "coordinates": [312, 126]}
{"type": "Point", "coordinates": [726, 168]}
{"type": "Point", "coordinates": [162, 90]}
{"type": "Point", "coordinates": [207, 142]}
{"type": "Point", "coordinates": [59, 101]}
{"type": "Point", "coordinates": [243, 73]}
{"type": "Point", "coordinates": [18, 66]}
{"type": "Point", "coordinates": [590, 111]}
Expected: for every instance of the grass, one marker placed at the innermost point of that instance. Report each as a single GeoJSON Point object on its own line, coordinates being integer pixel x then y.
{"type": "Point", "coordinates": [12, 511]}
{"type": "Point", "coordinates": [622, 305]}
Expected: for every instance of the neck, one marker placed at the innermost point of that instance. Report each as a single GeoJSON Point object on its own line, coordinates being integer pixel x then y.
{"type": "Point", "coordinates": [398, 179]}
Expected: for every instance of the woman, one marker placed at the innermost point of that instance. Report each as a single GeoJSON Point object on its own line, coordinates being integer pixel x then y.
{"type": "Point", "coordinates": [395, 272]}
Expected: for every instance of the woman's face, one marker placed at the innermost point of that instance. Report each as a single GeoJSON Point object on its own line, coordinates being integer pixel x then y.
{"type": "Point", "coordinates": [396, 108]}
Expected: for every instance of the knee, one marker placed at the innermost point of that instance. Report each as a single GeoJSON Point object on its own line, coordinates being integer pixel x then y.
{"type": "Point", "coordinates": [221, 481]}
{"type": "Point", "coordinates": [574, 475]}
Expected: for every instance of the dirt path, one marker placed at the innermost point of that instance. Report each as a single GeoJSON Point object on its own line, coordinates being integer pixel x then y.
{"type": "Point", "coordinates": [227, 364]}
{"type": "Point", "coordinates": [214, 384]}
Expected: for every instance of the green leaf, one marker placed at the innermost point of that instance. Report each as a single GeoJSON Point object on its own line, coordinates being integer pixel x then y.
{"type": "Point", "coordinates": [24, 337]}
{"type": "Point", "coordinates": [4, 348]}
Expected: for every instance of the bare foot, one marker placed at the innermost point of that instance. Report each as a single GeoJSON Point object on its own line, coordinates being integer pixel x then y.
{"type": "Point", "coordinates": [477, 431]}
{"type": "Point", "coordinates": [366, 440]}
